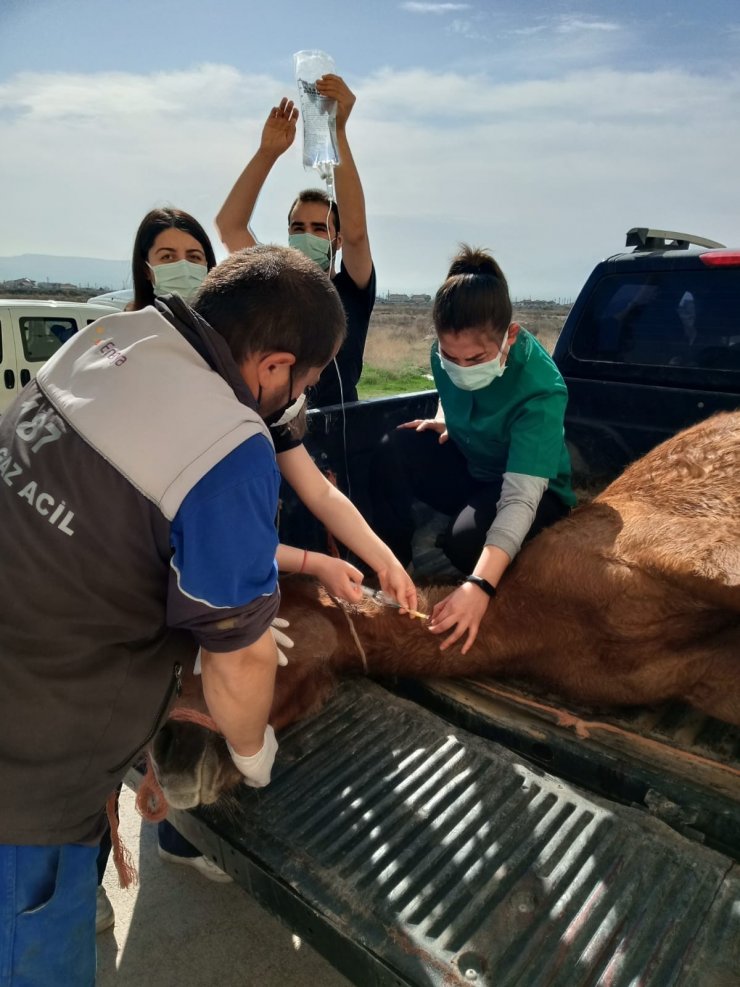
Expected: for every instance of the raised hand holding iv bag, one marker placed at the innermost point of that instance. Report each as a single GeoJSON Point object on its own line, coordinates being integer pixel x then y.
{"type": "Point", "coordinates": [319, 114]}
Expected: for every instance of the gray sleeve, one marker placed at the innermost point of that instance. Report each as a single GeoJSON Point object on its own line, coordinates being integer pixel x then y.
{"type": "Point", "coordinates": [520, 497]}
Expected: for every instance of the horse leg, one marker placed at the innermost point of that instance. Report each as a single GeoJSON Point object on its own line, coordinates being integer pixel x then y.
{"type": "Point", "coordinates": [717, 693]}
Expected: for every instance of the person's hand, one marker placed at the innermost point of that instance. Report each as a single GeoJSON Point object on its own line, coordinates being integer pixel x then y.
{"type": "Point", "coordinates": [334, 87]}
{"type": "Point", "coordinates": [463, 609]}
{"type": "Point", "coordinates": [396, 583]}
{"type": "Point", "coordinates": [278, 132]}
{"type": "Point", "coordinates": [281, 640]}
{"type": "Point", "coordinates": [338, 577]}
{"type": "Point", "coordinates": [428, 425]}
{"type": "Point", "coordinates": [257, 768]}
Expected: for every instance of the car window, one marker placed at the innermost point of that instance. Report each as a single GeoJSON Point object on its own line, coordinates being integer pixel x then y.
{"type": "Point", "coordinates": [663, 318]}
{"type": "Point", "coordinates": [42, 337]}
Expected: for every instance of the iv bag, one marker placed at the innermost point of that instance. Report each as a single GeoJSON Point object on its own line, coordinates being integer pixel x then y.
{"type": "Point", "coordinates": [318, 113]}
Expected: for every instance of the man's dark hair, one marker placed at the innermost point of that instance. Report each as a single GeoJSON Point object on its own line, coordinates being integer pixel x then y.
{"type": "Point", "coordinates": [149, 229]}
{"type": "Point", "coordinates": [266, 299]}
{"type": "Point", "coordinates": [316, 195]}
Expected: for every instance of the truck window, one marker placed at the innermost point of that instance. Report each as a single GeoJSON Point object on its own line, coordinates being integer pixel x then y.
{"type": "Point", "coordinates": [680, 318]}
{"type": "Point", "coordinates": [42, 337]}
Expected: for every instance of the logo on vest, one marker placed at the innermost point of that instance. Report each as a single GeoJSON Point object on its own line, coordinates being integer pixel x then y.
{"type": "Point", "coordinates": [109, 350]}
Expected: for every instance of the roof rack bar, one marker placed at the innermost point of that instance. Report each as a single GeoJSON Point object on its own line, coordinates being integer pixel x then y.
{"type": "Point", "coordinates": [643, 238]}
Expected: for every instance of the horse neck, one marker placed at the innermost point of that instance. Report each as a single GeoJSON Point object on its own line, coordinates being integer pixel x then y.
{"type": "Point", "coordinates": [393, 643]}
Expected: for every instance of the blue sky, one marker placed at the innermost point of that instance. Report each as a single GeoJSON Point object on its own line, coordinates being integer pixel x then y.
{"type": "Point", "coordinates": [540, 130]}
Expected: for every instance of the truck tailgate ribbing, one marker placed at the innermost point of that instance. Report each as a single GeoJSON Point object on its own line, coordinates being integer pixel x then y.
{"type": "Point", "coordinates": [410, 852]}
{"type": "Point", "coordinates": [682, 766]}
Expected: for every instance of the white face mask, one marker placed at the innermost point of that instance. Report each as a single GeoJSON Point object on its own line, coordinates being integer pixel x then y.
{"type": "Point", "coordinates": [287, 414]}
{"type": "Point", "coordinates": [181, 278]}
{"type": "Point", "coordinates": [477, 376]}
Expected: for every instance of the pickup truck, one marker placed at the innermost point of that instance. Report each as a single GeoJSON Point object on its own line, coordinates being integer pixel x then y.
{"type": "Point", "coordinates": [478, 832]}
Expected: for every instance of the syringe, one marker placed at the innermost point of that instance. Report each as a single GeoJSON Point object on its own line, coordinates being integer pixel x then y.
{"type": "Point", "coordinates": [383, 600]}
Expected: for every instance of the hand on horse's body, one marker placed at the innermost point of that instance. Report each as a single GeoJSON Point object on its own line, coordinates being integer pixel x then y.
{"type": "Point", "coordinates": [463, 609]}
{"type": "Point", "coordinates": [339, 578]}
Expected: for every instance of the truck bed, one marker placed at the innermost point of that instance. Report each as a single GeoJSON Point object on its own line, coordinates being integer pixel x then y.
{"type": "Point", "coordinates": [671, 760]}
{"type": "Point", "coordinates": [410, 851]}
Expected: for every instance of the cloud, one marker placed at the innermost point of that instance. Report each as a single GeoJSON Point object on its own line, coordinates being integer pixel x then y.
{"type": "Point", "coordinates": [206, 89]}
{"type": "Point", "coordinates": [467, 29]}
{"type": "Point", "coordinates": [570, 25]}
{"type": "Point", "coordinates": [549, 173]}
{"type": "Point", "coordinates": [434, 8]}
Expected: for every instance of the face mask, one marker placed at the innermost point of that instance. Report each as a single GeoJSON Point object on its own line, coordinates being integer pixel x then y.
{"type": "Point", "coordinates": [182, 278]}
{"type": "Point", "coordinates": [286, 414]}
{"type": "Point", "coordinates": [479, 375]}
{"type": "Point", "coordinates": [316, 248]}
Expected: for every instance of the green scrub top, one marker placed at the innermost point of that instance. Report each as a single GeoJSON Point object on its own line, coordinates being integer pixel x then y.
{"type": "Point", "coordinates": [515, 423]}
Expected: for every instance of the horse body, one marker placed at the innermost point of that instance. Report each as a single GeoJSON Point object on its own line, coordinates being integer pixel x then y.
{"type": "Point", "coordinates": [633, 599]}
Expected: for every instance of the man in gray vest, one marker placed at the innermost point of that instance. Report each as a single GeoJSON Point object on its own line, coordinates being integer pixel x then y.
{"type": "Point", "coordinates": [139, 492]}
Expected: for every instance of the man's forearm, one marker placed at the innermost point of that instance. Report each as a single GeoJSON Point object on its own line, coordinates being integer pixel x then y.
{"type": "Point", "coordinates": [238, 688]}
{"type": "Point", "coordinates": [350, 196]}
{"type": "Point", "coordinates": [356, 255]}
{"type": "Point", "coordinates": [335, 511]}
{"type": "Point", "coordinates": [235, 214]}
{"type": "Point", "coordinates": [340, 516]}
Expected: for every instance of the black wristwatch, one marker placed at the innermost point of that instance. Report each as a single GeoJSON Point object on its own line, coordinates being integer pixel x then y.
{"type": "Point", "coordinates": [483, 583]}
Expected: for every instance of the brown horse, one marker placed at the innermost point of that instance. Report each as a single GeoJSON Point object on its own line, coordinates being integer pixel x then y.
{"type": "Point", "coordinates": [633, 599]}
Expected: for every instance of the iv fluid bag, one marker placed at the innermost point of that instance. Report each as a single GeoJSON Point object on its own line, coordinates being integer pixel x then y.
{"type": "Point", "coordinates": [319, 114]}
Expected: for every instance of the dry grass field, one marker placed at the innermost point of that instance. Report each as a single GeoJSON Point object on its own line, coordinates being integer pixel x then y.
{"type": "Point", "coordinates": [398, 342]}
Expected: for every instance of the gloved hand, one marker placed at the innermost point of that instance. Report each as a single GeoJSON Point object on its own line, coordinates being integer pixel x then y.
{"type": "Point", "coordinates": [257, 767]}
{"type": "Point", "coordinates": [281, 640]}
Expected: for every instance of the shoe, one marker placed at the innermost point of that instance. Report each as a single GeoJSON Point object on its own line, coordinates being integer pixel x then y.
{"type": "Point", "coordinates": [203, 865]}
{"type": "Point", "coordinates": [104, 915]}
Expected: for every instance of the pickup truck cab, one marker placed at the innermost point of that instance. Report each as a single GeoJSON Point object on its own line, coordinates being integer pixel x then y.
{"type": "Point", "coordinates": [651, 346]}
{"type": "Point", "coordinates": [31, 331]}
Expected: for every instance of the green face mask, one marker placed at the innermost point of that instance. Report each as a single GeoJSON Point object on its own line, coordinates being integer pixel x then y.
{"type": "Point", "coordinates": [316, 248]}
{"type": "Point", "coordinates": [181, 277]}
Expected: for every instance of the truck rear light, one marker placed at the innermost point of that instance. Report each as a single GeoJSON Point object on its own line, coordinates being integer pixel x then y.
{"type": "Point", "coordinates": [721, 258]}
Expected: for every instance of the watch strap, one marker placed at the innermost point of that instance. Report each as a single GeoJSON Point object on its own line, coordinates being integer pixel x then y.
{"type": "Point", "coordinates": [482, 583]}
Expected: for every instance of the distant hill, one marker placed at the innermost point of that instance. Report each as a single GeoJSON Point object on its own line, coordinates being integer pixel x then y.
{"type": "Point", "coordinates": [113, 274]}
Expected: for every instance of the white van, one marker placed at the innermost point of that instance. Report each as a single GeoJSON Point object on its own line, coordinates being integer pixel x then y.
{"type": "Point", "coordinates": [30, 331]}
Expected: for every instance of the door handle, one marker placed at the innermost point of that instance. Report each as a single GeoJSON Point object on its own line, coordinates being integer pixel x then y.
{"type": "Point", "coordinates": [9, 378]}
{"type": "Point", "coordinates": [25, 376]}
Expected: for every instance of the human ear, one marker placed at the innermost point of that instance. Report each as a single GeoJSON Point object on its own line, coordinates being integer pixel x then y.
{"type": "Point", "coordinates": [273, 368]}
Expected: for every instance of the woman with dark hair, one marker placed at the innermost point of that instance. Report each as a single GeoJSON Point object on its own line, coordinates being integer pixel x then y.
{"type": "Point", "coordinates": [172, 254]}
{"type": "Point", "coordinates": [505, 474]}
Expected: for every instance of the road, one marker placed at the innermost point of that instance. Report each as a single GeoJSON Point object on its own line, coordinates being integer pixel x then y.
{"type": "Point", "coordinates": [178, 928]}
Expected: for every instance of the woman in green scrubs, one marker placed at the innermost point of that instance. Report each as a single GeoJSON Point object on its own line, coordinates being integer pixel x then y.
{"type": "Point", "coordinates": [493, 458]}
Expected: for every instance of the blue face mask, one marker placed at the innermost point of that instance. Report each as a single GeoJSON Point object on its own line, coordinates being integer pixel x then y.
{"type": "Point", "coordinates": [316, 248]}
{"type": "Point", "coordinates": [477, 376]}
{"type": "Point", "coordinates": [181, 278]}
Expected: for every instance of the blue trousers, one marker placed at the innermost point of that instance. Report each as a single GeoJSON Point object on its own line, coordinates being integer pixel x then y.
{"type": "Point", "coordinates": [47, 915]}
